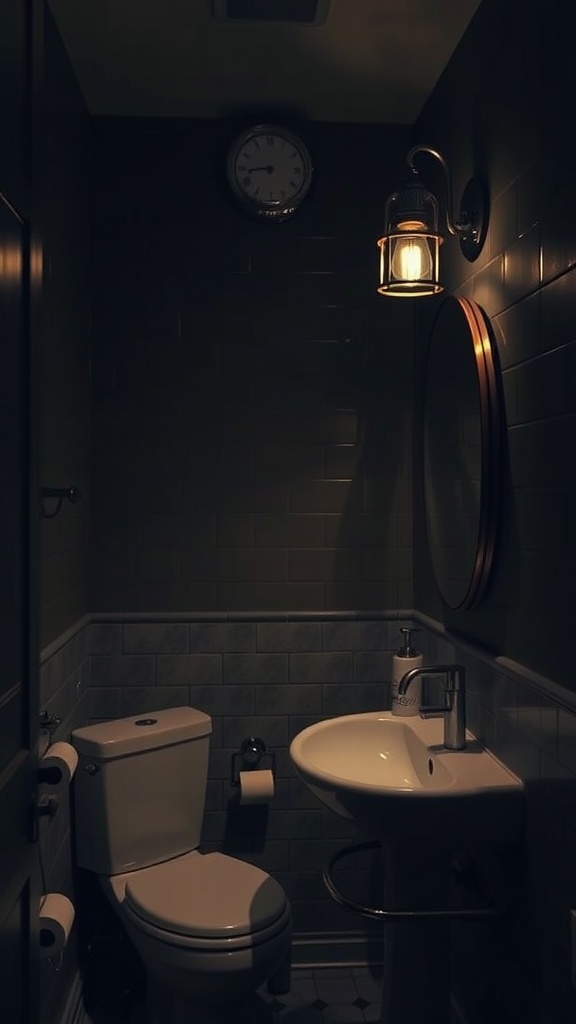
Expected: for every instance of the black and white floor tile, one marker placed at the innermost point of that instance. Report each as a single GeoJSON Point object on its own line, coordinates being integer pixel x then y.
{"type": "Point", "coordinates": [330, 996]}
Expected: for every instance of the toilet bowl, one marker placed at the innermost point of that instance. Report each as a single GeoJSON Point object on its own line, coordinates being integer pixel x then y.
{"type": "Point", "coordinates": [207, 925]}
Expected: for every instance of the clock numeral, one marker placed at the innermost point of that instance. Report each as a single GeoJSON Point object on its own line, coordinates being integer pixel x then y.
{"type": "Point", "coordinates": [270, 140]}
{"type": "Point", "coordinates": [296, 170]}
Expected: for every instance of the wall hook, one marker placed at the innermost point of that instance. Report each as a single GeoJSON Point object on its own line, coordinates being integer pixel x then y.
{"type": "Point", "coordinates": [73, 494]}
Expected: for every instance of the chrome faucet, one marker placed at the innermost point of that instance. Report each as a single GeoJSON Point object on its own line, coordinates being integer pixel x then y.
{"type": "Point", "coordinates": [454, 710]}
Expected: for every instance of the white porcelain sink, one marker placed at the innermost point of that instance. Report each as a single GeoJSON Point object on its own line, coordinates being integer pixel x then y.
{"type": "Point", "coordinates": [394, 778]}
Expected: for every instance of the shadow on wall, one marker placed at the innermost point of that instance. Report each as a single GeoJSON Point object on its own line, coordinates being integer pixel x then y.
{"type": "Point", "coordinates": [372, 541]}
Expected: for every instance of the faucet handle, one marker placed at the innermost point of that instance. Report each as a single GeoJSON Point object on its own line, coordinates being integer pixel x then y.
{"type": "Point", "coordinates": [435, 710]}
{"type": "Point", "coordinates": [454, 709]}
{"type": "Point", "coordinates": [438, 710]}
{"type": "Point", "coordinates": [455, 680]}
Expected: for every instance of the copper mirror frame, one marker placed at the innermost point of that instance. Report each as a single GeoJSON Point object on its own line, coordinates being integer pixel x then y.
{"type": "Point", "coordinates": [461, 446]}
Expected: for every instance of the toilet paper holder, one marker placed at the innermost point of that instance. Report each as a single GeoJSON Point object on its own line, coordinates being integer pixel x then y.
{"type": "Point", "coordinates": [252, 754]}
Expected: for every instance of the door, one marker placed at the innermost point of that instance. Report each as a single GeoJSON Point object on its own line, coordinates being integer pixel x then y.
{"type": "Point", "coordinates": [20, 52]}
{"type": "Point", "coordinates": [18, 686]}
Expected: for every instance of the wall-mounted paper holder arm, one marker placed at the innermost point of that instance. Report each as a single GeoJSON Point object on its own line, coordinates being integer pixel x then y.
{"type": "Point", "coordinates": [252, 754]}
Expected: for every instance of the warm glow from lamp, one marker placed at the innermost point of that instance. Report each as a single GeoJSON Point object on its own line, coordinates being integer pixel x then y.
{"type": "Point", "coordinates": [412, 260]}
{"type": "Point", "coordinates": [10, 263]}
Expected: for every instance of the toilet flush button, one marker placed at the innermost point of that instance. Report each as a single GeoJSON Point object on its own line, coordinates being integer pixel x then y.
{"type": "Point", "coordinates": [146, 721]}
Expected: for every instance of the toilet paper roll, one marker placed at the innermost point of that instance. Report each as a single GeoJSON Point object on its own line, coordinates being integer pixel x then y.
{"type": "Point", "coordinates": [56, 920]}
{"type": "Point", "coordinates": [256, 787]}
{"type": "Point", "coordinates": [58, 766]}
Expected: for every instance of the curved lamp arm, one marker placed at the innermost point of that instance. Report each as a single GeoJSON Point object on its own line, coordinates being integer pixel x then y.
{"type": "Point", "coordinates": [461, 228]}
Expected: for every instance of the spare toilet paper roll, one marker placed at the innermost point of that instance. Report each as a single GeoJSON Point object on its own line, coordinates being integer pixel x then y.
{"type": "Point", "coordinates": [256, 787]}
{"type": "Point", "coordinates": [58, 766]}
{"type": "Point", "coordinates": [56, 920]}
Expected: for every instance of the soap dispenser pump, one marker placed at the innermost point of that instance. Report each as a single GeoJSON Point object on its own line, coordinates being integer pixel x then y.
{"type": "Point", "coordinates": [404, 661]}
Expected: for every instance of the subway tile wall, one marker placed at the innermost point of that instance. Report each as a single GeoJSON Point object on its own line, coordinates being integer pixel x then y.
{"type": "Point", "coordinates": [252, 423]}
{"type": "Point", "coordinates": [508, 90]}
{"type": "Point", "coordinates": [525, 279]}
{"type": "Point", "coordinates": [62, 352]}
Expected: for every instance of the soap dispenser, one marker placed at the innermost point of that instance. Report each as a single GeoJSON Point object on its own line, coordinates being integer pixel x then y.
{"type": "Point", "coordinates": [406, 659]}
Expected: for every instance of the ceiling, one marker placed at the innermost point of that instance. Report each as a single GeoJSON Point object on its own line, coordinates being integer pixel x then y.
{"type": "Point", "coordinates": [369, 61]}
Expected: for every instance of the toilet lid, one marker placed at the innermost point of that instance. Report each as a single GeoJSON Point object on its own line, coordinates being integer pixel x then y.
{"type": "Point", "coordinates": [206, 895]}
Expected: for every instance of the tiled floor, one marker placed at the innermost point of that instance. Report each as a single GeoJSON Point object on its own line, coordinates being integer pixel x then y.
{"type": "Point", "coordinates": [330, 996]}
{"type": "Point", "coordinates": [319, 996]}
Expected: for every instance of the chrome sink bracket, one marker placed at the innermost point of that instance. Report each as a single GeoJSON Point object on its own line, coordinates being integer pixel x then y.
{"type": "Point", "coordinates": [391, 916]}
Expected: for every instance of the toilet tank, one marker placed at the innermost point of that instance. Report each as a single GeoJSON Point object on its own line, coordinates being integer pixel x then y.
{"type": "Point", "coordinates": [139, 789]}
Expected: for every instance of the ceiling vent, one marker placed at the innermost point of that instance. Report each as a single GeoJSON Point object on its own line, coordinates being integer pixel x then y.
{"type": "Point", "coordinates": [270, 12]}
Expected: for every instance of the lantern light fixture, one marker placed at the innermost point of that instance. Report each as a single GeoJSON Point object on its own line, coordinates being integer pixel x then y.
{"type": "Point", "coordinates": [410, 248]}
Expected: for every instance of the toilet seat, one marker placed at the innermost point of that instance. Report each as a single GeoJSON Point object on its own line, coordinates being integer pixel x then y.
{"type": "Point", "coordinates": [207, 901]}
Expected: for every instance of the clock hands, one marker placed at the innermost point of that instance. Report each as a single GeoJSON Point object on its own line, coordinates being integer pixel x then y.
{"type": "Point", "coordinates": [268, 168]}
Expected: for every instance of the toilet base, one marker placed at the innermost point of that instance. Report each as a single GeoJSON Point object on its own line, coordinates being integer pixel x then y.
{"type": "Point", "coordinates": [234, 999]}
{"type": "Point", "coordinates": [281, 981]}
{"type": "Point", "coordinates": [209, 977]}
{"type": "Point", "coordinates": [166, 1007]}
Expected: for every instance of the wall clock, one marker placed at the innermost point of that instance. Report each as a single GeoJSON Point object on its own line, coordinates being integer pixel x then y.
{"type": "Point", "coordinates": [269, 171]}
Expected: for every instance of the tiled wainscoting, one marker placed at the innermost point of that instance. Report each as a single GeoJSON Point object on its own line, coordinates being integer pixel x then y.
{"type": "Point", "coordinates": [271, 676]}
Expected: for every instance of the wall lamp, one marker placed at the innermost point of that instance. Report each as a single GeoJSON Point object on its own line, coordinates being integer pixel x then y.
{"type": "Point", "coordinates": [410, 248]}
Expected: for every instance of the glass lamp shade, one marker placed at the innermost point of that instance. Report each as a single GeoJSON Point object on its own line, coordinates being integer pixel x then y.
{"type": "Point", "coordinates": [410, 249]}
{"type": "Point", "coordinates": [410, 264]}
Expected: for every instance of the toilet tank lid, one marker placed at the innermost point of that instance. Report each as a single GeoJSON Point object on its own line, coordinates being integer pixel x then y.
{"type": "Point", "coordinates": [148, 731]}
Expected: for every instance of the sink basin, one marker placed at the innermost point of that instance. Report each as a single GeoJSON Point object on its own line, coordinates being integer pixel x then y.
{"type": "Point", "coordinates": [394, 777]}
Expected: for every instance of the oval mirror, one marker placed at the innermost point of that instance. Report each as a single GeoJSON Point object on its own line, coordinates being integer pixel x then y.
{"type": "Point", "coordinates": [461, 450]}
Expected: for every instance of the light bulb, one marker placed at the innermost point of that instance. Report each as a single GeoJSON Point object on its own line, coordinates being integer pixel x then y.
{"type": "Point", "coordinates": [412, 260]}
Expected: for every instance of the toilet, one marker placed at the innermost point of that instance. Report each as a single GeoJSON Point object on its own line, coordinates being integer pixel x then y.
{"type": "Point", "coordinates": [208, 927]}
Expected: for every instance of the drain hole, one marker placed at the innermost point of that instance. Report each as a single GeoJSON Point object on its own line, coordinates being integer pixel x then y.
{"type": "Point", "coordinates": [430, 766]}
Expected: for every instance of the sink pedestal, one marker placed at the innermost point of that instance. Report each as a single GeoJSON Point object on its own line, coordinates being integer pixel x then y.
{"type": "Point", "coordinates": [397, 780]}
{"type": "Point", "coordinates": [416, 982]}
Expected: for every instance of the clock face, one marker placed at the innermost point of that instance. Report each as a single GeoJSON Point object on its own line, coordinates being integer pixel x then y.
{"type": "Point", "coordinates": [269, 169]}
